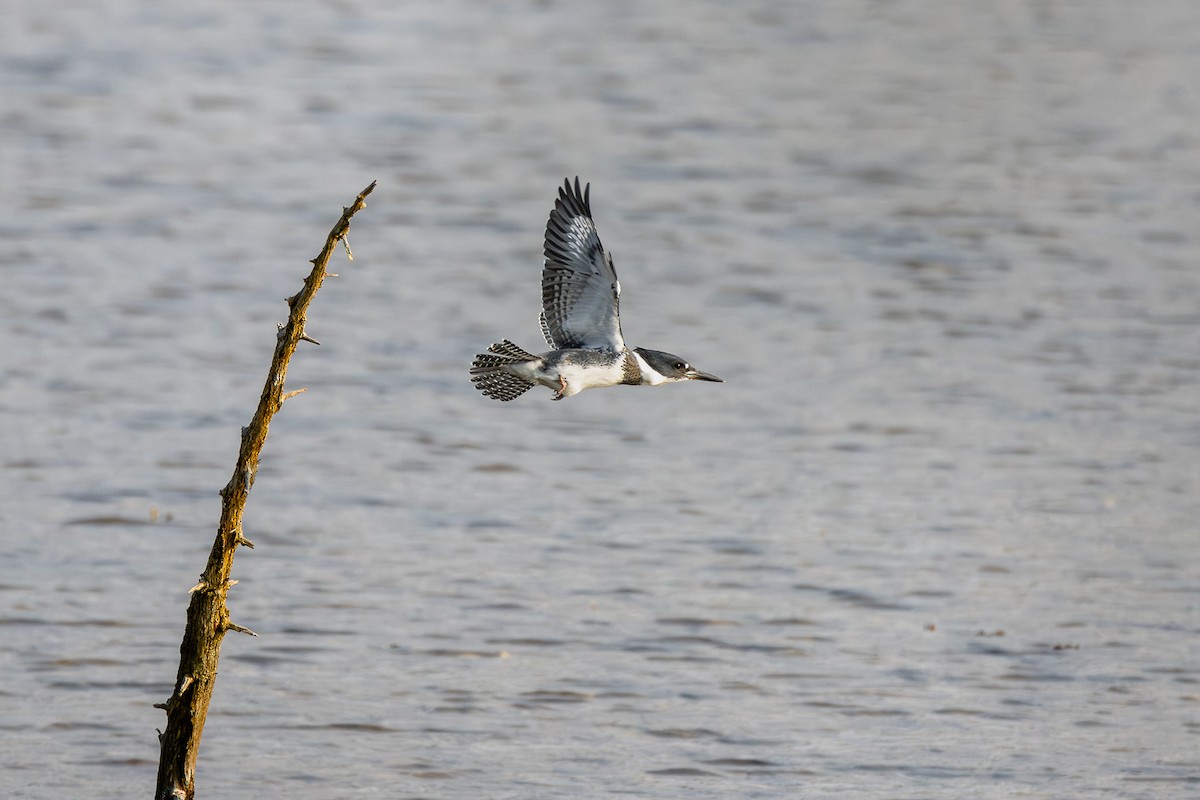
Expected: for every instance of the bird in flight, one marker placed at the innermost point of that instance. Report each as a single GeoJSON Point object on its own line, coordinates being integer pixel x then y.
{"type": "Point", "coordinates": [580, 320]}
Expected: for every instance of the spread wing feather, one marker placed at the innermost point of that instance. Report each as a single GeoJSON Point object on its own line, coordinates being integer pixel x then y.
{"type": "Point", "coordinates": [580, 292]}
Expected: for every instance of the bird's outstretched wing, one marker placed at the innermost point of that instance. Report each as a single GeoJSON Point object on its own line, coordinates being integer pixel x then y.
{"type": "Point", "coordinates": [579, 285]}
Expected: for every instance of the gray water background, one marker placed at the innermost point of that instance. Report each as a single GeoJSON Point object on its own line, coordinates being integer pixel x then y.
{"type": "Point", "coordinates": [936, 537]}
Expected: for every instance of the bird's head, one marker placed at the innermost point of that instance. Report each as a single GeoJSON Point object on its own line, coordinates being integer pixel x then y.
{"type": "Point", "coordinates": [669, 368]}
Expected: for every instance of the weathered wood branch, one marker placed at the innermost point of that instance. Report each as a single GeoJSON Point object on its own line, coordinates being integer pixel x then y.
{"type": "Point", "coordinates": [207, 615]}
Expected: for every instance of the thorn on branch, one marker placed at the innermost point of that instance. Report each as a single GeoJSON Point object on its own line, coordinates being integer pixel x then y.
{"type": "Point", "coordinates": [174, 698]}
{"type": "Point", "coordinates": [188, 680]}
{"type": "Point", "coordinates": [293, 393]}
{"type": "Point", "coordinates": [243, 541]}
{"type": "Point", "coordinates": [345, 244]}
{"type": "Point", "coordinates": [201, 586]}
{"type": "Point", "coordinates": [304, 337]}
{"type": "Point", "coordinates": [235, 627]}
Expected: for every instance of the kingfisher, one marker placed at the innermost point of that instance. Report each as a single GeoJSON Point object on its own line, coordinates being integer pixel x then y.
{"type": "Point", "coordinates": [580, 320]}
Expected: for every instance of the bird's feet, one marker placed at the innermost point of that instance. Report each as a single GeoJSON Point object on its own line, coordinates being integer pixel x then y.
{"type": "Point", "coordinates": [562, 388]}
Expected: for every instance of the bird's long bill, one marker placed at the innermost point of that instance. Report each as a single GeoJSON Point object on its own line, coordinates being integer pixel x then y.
{"type": "Point", "coordinates": [697, 375]}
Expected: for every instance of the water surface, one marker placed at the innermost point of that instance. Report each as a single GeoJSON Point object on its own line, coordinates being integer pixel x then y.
{"type": "Point", "coordinates": [935, 537]}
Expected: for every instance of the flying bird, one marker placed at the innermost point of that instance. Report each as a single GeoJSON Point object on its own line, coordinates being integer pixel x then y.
{"type": "Point", "coordinates": [580, 320]}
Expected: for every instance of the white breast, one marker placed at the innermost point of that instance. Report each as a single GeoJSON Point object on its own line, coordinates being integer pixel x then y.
{"type": "Point", "coordinates": [579, 378]}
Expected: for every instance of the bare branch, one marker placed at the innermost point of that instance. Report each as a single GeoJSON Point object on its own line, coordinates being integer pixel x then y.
{"type": "Point", "coordinates": [207, 614]}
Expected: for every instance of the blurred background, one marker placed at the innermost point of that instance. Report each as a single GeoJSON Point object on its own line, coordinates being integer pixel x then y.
{"type": "Point", "coordinates": [936, 536]}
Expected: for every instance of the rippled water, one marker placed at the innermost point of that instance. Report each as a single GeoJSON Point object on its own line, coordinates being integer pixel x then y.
{"type": "Point", "coordinates": [935, 537]}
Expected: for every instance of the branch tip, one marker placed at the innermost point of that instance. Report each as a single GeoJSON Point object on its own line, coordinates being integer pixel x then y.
{"type": "Point", "coordinates": [198, 587]}
{"type": "Point", "coordinates": [232, 626]}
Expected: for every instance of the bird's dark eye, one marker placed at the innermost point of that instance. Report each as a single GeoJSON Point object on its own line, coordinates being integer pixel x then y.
{"type": "Point", "coordinates": [680, 365]}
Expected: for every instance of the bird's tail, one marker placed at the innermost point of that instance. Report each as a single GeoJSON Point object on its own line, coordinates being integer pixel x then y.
{"type": "Point", "coordinates": [489, 375]}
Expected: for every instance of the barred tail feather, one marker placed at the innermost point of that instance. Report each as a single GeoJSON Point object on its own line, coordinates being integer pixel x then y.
{"type": "Point", "coordinates": [507, 348]}
{"type": "Point", "coordinates": [490, 377]}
